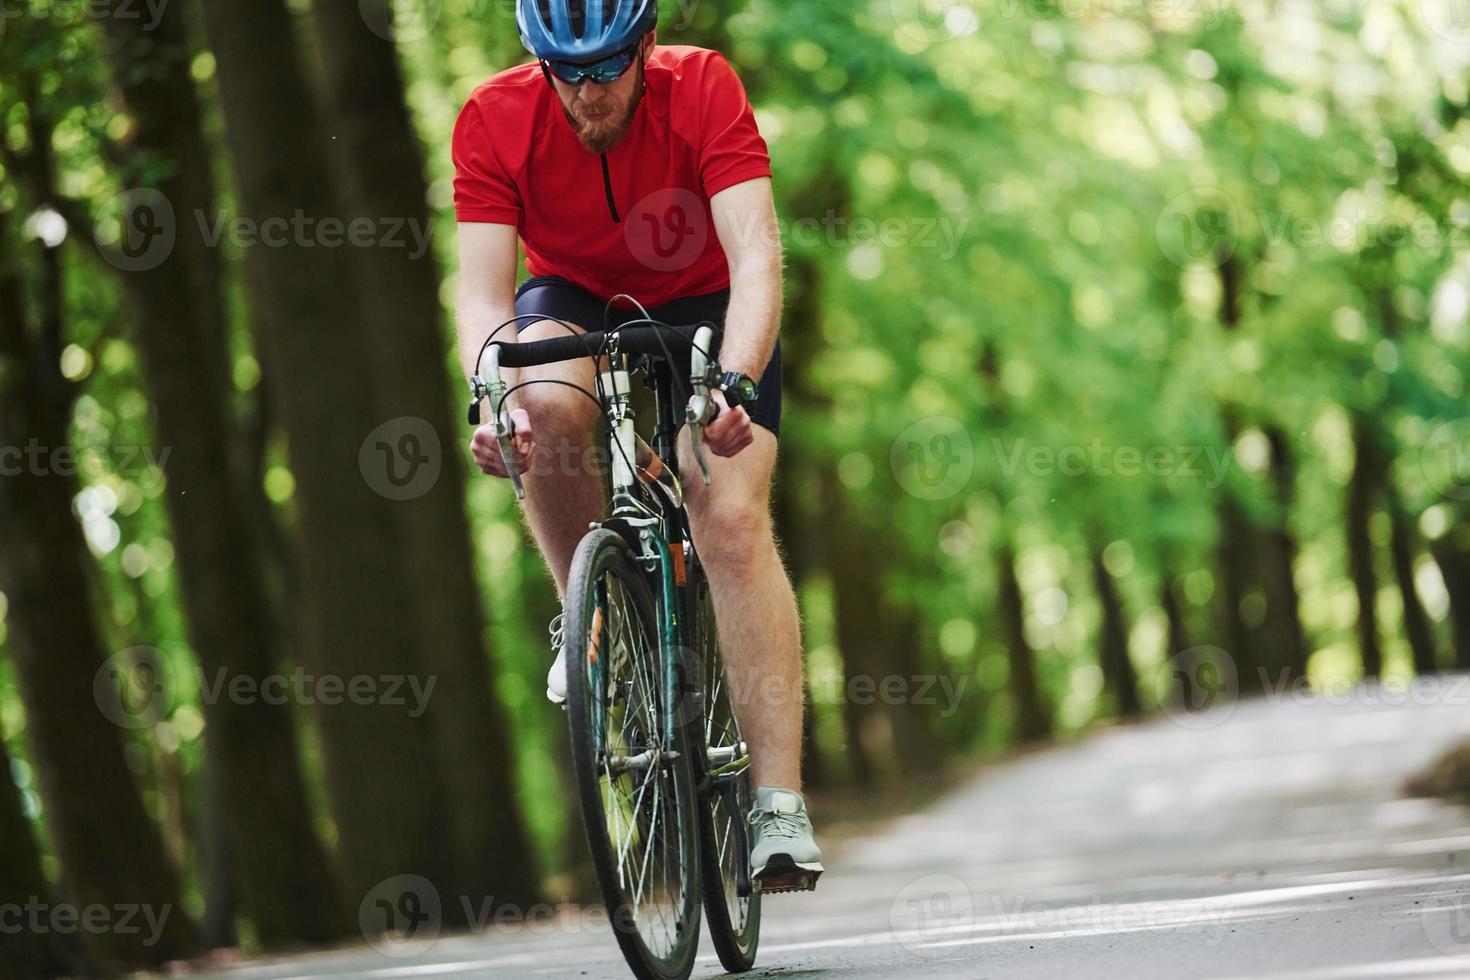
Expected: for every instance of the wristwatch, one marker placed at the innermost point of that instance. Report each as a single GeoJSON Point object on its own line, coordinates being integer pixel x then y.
{"type": "Point", "coordinates": [739, 388]}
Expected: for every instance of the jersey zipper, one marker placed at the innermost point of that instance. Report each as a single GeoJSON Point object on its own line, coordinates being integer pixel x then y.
{"type": "Point", "coordinates": [612, 206]}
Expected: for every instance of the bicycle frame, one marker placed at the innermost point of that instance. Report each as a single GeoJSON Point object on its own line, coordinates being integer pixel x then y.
{"type": "Point", "coordinates": [681, 692]}
{"type": "Point", "coordinates": [712, 774]}
{"type": "Point", "coordinates": [660, 539]}
{"type": "Point", "coordinates": [657, 538]}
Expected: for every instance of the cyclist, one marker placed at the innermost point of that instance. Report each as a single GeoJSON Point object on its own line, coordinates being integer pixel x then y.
{"type": "Point", "coordinates": [626, 167]}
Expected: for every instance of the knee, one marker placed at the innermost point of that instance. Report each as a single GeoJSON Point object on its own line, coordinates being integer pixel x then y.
{"type": "Point", "coordinates": [733, 536]}
{"type": "Point", "coordinates": [556, 410]}
{"type": "Point", "coordinates": [555, 407]}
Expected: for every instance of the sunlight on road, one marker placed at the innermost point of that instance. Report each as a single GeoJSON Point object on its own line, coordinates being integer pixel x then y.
{"type": "Point", "coordinates": [1276, 845]}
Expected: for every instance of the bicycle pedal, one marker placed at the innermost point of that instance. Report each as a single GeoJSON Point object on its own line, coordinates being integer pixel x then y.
{"type": "Point", "coordinates": [782, 874]}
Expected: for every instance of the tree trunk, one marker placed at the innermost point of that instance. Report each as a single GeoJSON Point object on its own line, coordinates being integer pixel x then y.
{"type": "Point", "coordinates": [862, 637]}
{"type": "Point", "coordinates": [358, 605]}
{"type": "Point", "coordinates": [26, 953]}
{"type": "Point", "coordinates": [1118, 674]}
{"type": "Point", "coordinates": [382, 166]}
{"type": "Point", "coordinates": [1177, 642]}
{"type": "Point", "coordinates": [1362, 490]}
{"type": "Point", "coordinates": [1417, 629]}
{"type": "Point", "coordinates": [1288, 643]}
{"type": "Point", "coordinates": [799, 530]}
{"type": "Point", "coordinates": [802, 563]}
{"type": "Point", "coordinates": [1239, 558]}
{"type": "Point", "coordinates": [110, 849]}
{"type": "Point", "coordinates": [1031, 715]}
{"type": "Point", "coordinates": [1031, 719]}
{"type": "Point", "coordinates": [1454, 568]}
{"type": "Point", "coordinates": [539, 605]}
{"type": "Point", "coordinates": [915, 717]}
{"type": "Point", "coordinates": [1239, 547]}
{"type": "Point", "coordinates": [254, 791]}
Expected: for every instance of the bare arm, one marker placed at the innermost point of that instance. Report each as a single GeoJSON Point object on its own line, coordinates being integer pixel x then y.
{"type": "Point", "coordinates": [487, 280]}
{"type": "Point", "coordinates": [745, 220]}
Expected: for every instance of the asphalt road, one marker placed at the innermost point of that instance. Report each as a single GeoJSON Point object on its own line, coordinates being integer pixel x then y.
{"type": "Point", "coordinates": [1268, 841]}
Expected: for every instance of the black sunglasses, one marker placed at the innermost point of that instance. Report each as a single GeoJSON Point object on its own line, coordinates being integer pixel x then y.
{"type": "Point", "coordinates": [603, 72]}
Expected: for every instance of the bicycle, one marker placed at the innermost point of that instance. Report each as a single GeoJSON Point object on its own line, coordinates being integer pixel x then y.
{"type": "Point", "coordinates": [662, 772]}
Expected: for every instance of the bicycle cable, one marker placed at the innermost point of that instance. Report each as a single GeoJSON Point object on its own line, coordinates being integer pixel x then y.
{"type": "Point", "coordinates": [680, 387]}
{"type": "Point", "coordinates": [680, 383]}
{"type": "Point", "coordinates": [609, 333]}
{"type": "Point", "coordinates": [570, 328]}
{"type": "Point", "coordinates": [537, 317]}
{"type": "Point", "coordinates": [632, 468]}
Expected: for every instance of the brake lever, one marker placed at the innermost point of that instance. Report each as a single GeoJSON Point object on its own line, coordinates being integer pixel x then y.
{"type": "Point", "coordinates": [505, 429]}
{"type": "Point", "coordinates": [702, 407]}
{"type": "Point", "coordinates": [696, 416]}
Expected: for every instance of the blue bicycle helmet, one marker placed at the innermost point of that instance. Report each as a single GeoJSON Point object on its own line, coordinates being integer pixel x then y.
{"type": "Point", "coordinates": [583, 30]}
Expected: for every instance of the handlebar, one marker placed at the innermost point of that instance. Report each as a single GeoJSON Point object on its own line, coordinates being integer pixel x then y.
{"type": "Point", "coordinates": [649, 339]}
{"type": "Point", "coordinates": [653, 339]}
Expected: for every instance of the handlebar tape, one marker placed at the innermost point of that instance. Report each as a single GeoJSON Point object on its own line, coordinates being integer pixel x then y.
{"type": "Point", "coordinates": [630, 340]}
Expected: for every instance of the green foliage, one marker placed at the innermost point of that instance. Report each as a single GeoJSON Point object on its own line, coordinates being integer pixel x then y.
{"type": "Point", "coordinates": [1018, 236]}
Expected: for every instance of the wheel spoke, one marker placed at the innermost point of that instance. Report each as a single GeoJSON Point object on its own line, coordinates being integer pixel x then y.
{"type": "Point", "coordinates": [722, 746]}
{"type": "Point", "coordinates": [641, 809]}
{"type": "Point", "coordinates": [646, 848]}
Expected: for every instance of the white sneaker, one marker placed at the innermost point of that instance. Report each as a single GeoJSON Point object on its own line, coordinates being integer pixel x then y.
{"type": "Point", "coordinates": [784, 857]}
{"type": "Point", "coordinates": [556, 677]}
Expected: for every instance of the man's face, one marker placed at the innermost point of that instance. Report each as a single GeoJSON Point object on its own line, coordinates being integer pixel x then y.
{"type": "Point", "coordinates": [601, 114]}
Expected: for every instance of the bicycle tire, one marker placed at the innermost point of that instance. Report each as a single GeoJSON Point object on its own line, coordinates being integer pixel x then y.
{"type": "Point", "coordinates": [605, 590]}
{"type": "Point", "coordinates": [733, 920]}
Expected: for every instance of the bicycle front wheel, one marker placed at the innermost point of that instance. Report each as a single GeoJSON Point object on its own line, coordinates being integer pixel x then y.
{"type": "Point", "coordinates": [732, 908]}
{"type": "Point", "coordinates": [636, 787]}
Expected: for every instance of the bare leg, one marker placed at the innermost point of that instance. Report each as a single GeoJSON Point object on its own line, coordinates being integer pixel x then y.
{"type": "Point", "coordinates": [563, 488]}
{"type": "Point", "coordinates": [755, 609]}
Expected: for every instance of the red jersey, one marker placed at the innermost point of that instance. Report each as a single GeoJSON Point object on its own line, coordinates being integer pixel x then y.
{"type": "Point", "coordinates": [636, 220]}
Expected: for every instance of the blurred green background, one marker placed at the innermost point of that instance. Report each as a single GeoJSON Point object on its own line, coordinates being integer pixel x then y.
{"type": "Point", "coordinates": [1125, 342]}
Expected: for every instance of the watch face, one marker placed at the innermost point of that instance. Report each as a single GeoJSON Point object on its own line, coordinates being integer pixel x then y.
{"type": "Point", "coordinates": [741, 386]}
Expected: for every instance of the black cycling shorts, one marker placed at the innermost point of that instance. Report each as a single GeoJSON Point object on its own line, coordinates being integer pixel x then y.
{"type": "Point", "coordinates": [554, 297]}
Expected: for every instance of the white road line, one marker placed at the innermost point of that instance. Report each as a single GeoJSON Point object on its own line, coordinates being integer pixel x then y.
{"type": "Point", "coordinates": [1425, 967]}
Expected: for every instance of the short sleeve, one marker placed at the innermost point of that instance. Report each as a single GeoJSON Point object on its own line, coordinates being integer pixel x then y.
{"type": "Point", "coordinates": [483, 191]}
{"type": "Point", "coordinates": [731, 147]}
